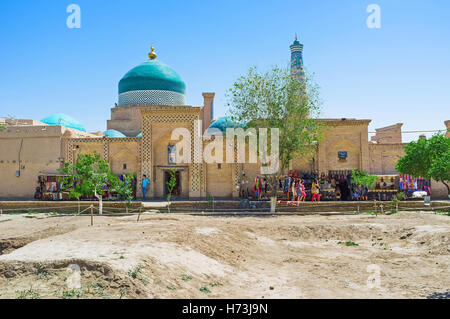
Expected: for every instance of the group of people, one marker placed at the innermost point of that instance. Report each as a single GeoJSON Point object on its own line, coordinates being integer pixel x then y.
{"type": "Point", "coordinates": [299, 192]}
{"type": "Point", "coordinates": [360, 193]}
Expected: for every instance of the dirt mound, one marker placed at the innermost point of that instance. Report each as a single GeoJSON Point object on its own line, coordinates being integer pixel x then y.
{"type": "Point", "coordinates": [330, 232]}
{"type": "Point", "coordinates": [183, 256]}
{"type": "Point", "coordinates": [435, 239]}
{"type": "Point", "coordinates": [8, 245]}
{"type": "Point", "coordinates": [58, 279]}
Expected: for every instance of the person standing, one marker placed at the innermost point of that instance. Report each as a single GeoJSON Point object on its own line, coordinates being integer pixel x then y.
{"type": "Point", "coordinates": [315, 192]}
{"type": "Point", "coordinates": [302, 189]}
{"type": "Point", "coordinates": [145, 182]}
{"type": "Point", "coordinates": [294, 190]}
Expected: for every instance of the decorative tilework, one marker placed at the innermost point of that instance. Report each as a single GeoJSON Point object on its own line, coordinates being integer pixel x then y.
{"type": "Point", "coordinates": [151, 97]}
{"type": "Point", "coordinates": [146, 152]}
{"type": "Point", "coordinates": [69, 156]}
{"type": "Point", "coordinates": [175, 116]}
{"type": "Point", "coordinates": [106, 150]}
{"type": "Point", "coordinates": [237, 172]}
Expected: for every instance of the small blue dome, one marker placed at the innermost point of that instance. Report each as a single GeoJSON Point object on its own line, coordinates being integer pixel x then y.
{"type": "Point", "coordinates": [225, 122]}
{"type": "Point", "coordinates": [113, 133]}
{"type": "Point", "coordinates": [63, 120]}
{"type": "Point", "coordinates": [139, 135]}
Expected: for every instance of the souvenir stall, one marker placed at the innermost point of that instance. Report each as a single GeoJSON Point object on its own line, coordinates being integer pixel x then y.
{"type": "Point", "coordinates": [284, 190]}
{"type": "Point", "coordinates": [341, 182]}
{"type": "Point", "coordinates": [385, 188]}
{"type": "Point", "coordinates": [327, 187]}
{"type": "Point", "coordinates": [262, 188]}
{"type": "Point", "coordinates": [50, 188]}
{"type": "Point", "coordinates": [410, 185]}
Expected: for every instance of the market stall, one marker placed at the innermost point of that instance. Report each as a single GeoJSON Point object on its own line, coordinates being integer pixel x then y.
{"type": "Point", "coordinates": [50, 187]}
{"type": "Point", "coordinates": [414, 187]}
{"type": "Point", "coordinates": [386, 188]}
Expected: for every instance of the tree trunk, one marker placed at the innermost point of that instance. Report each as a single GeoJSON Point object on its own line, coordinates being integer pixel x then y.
{"type": "Point", "coordinates": [100, 205]}
{"type": "Point", "coordinates": [100, 202]}
{"type": "Point", "coordinates": [273, 182]}
{"type": "Point", "coordinates": [273, 204]}
{"type": "Point", "coordinates": [448, 188]}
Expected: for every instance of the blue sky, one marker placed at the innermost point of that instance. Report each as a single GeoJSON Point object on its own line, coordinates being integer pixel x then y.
{"type": "Point", "coordinates": [398, 73]}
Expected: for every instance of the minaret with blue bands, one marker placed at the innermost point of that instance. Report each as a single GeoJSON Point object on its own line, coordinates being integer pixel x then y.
{"type": "Point", "coordinates": [297, 70]}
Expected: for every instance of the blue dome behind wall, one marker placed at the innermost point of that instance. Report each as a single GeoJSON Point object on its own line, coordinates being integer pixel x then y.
{"type": "Point", "coordinates": [63, 120]}
{"type": "Point", "coordinates": [225, 122]}
{"type": "Point", "coordinates": [113, 133]}
{"type": "Point", "coordinates": [139, 135]}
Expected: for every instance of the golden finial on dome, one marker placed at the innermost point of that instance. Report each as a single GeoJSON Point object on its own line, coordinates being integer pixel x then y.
{"type": "Point", "coordinates": [152, 55]}
{"type": "Point", "coordinates": [296, 37]}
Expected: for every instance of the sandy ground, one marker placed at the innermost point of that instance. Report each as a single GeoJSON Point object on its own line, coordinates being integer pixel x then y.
{"type": "Point", "coordinates": [182, 256]}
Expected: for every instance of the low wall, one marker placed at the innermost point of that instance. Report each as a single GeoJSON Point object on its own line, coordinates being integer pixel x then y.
{"type": "Point", "coordinates": [255, 206]}
{"type": "Point", "coordinates": [61, 207]}
{"type": "Point", "coordinates": [218, 206]}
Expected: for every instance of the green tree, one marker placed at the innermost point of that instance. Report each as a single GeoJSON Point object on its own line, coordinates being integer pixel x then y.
{"type": "Point", "coordinates": [428, 158]}
{"type": "Point", "coordinates": [364, 179]}
{"type": "Point", "coordinates": [274, 99]}
{"type": "Point", "coordinates": [89, 175]}
{"type": "Point", "coordinates": [171, 183]}
{"type": "Point", "coordinates": [125, 189]}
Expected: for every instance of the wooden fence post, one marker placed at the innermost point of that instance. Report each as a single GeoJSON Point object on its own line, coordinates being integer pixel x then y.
{"type": "Point", "coordinates": [92, 215]}
{"type": "Point", "coordinates": [139, 215]}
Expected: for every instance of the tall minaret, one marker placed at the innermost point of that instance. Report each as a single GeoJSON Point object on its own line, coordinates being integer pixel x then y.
{"type": "Point", "coordinates": [297, 70]}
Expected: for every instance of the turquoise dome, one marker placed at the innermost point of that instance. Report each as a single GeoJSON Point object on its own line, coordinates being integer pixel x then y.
{"type": "Point", "coordinates": [152, 83]}
{"type": "Point", "coordinates": [225, 122]}
{"type": "Point", "coordinates": [113, 133]}
{"type": "Point", "coordinates": [63, 120]}
{"type": "Point", "coordinates": [152, 75]}
{"type": "Point", "coordinates": [139, 135]}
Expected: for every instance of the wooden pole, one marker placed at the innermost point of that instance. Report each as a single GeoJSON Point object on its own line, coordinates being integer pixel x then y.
{"type": "Point", "coordinates": [92, 215]}
{"type": "Point", "coordinates": [139, 215]}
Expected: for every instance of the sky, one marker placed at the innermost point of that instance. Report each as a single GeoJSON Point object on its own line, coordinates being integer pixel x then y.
{"type": "Point", "coordinates": [398, 73]}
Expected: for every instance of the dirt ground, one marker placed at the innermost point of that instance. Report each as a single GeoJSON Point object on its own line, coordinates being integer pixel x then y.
{"type": "Point", "coordinates": [183, 256]}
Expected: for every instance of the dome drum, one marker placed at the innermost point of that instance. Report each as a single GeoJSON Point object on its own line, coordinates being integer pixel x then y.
{"type": "Point", "coordinates": [151, 97]}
